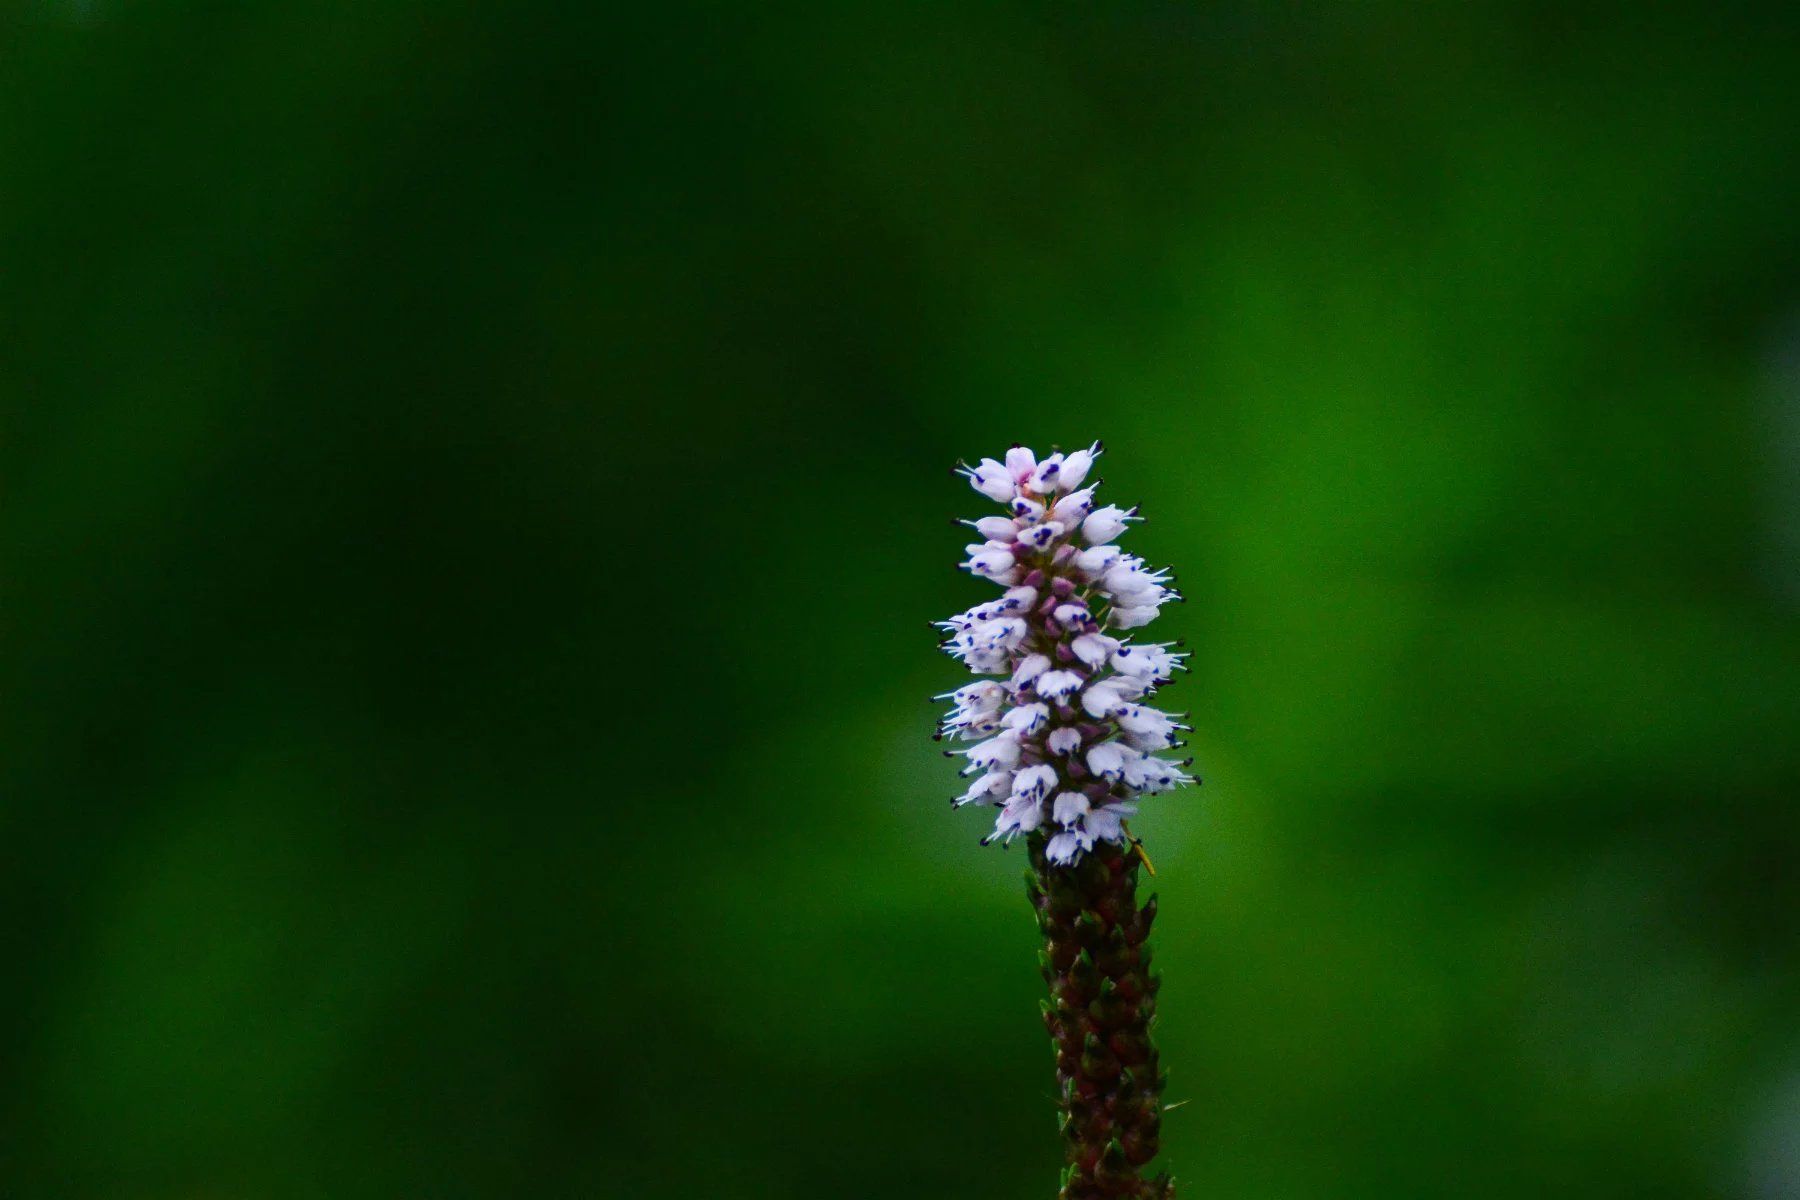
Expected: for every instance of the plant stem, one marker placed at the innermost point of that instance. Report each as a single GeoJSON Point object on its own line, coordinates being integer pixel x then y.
{"type": "Point", "coordinates": [1101, 1009]}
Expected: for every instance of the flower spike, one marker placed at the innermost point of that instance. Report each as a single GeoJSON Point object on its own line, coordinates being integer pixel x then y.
{"type": "Point", "coordinates": [1063, 742]}
{"type": "Point", "coordinates": [1075, 682]}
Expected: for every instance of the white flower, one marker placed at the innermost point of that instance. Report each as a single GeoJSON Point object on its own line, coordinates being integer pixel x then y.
{"type": "Point", "coordinates": [1130, 687]}
{"type": "Point", "coordinates": [1137, 718]}
{"type": "Point", "coordinates": [1013, 600]}
{"type": "Point", "coordinates": [1009, 603]}
{"type": "Point", "coordinates": [983, 695]}
{"type": "Point", "coordinates": [991, 479]}
{"type": "Point", "coordinates": [969, 726]}
{"type": "Point", "coordinates": [1127, 581]}
{"type": "Point", "coordinates": [1019, 816]}
{"type": "Point", "coordinates": [1152, 774]}
{"type": "Point", "coordinates": [1107, 823]}
{"type": "Point", "coordinates": [1001, 751]}
{"type": "Point", "coordinates": [1073, 508]}
{"type": "Point", "coordinates": [994, 564]}
{"type": "Point", "coordinates": [1096, 560]}
{"type": "Point", "coordinates": [1105, 524]}
{"type": "Point", "coordinates": [1026, 509]}
{"type": "Point", "coordinates": [1068, 846]}
{"type": "Point", "coordinates": [1047, 476]}
{"type": "Point", "coordinates": [1146, 662]}
{"type": "Point", "coordinates": [1069, 808]}
{"type": "Point", "coordinates": [1021, 463]}
{"type": "Point", "coordinates": [980, 657]}
{"type": "Point", "coordinates": [983, 648]}
{"type": "Point", "coordinates": [987, 790]}
{"type": "Point", "coordinates": [1101, 699]}
{"type": "Point", "coordinates": [1075, 466]}
{"type": "Point", "coordinates": [1034, 782]}
{"type": "Point", "coordinates": [995, 529]}
{"type": "Point", "coordinates": [1004, 632]}
{"type": "Point", "coordinates": [1069, 782]}
{"type": "Point", "coordinates": [1057, 684]}
{"type": "Point", "coordinates": [1132, 618]}
{"type": "Point", "coordinates": [1151, 597]}
{"type": "Point", "coordinates": [1108, 760]}
{"type": "Point", "coordinates": [1027, 719]}
{"type": "Point", "coordinates": [1074, 616]}
{"type": "Point", "coordinates": [1094, 649]}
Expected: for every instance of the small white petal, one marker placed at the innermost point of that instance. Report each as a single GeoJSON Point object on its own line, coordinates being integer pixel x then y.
{"type": "Point", "coordinates": [1019, 599]}
{"type": "Point", "coordinates": [1026, 509]}
{"type": "Point", "coordinates": [1021, 462]}
{"type": "Point", "coordinates": [1138, 718]}
{"type": "Point", "coordinates": [1104, 524]}
{"type": "Point", "coordinates": [1094, 648]}
{"type": "Point", "coordinates": [1096, 560]}
{"type": "Point", "coordinates": [1027, 719]}
{"type": "Point", "coordinates": [997, 529]}
{"type": "Point", "coordinates": [1152, 774]}
{"type": "Point", "coordinates": [984, 694]}
{"type": "Point", "coordinates": [1150, 743]}
{"type": "Point", "coordinates": [1019, 816]}
{"type": "Point", "coordinates": [1057, 684]}
{"type": "Point", "coordinates": [1005, 633]}
{"type": "Point", "coordinates": [1074, 507]}
{"type": "Point", "coordinates": [1146, 662]}
{"type": "Point", "coordinates": [1034, 782]}
{"type": "Point", "coordinates": [1106, 823]}
{"type": "Point", "coordinates": [992, 480]}
{"type": "Point", "coordinates": [1047, 476]}
{"type": "Point", "coordinates": [1076, 466]}
{"type": "Point", "coordinates": [1069, 808]}
{"type": "Point", "coordinates": [1132, 618]}
{"type": "Point", "coordinates": [987, 790]}
{"type": "Point", "coordinates": [1108, 759]}
{"type": "Point", "coordinates": [1127, 577]}
{"type": "Point", "coordinates": [968, 727]}
{"type": "Point", "coordinates": [1029, 668]}
{"type": "Point", "coordinates": [1130, 687]}
{"type": "Point", "coordinates": [991, 563]}
{"type": "Point", "coordinates": [1100, 700]}
{"type": "Point", "coordinates": [1001, 751]}
{"type": "Point", "coordinates": [1064, 741]}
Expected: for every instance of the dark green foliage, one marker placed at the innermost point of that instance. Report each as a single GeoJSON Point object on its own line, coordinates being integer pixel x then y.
{"type": "Point", "coordinates": [473, 481]}
{"type": "Point", "coordinates": [1100, 1014]}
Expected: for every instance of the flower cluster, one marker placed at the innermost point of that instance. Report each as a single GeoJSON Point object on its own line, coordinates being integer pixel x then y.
{"type": "Point", "coordinates": [1062, 741]}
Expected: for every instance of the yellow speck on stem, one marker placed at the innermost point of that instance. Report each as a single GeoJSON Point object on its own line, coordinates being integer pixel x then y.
{"type": "Point", "coordinates": [1138, 845]}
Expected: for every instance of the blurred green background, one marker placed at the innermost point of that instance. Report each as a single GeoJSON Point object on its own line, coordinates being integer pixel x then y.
{"type": "Point", "coordinates": [475, 480]}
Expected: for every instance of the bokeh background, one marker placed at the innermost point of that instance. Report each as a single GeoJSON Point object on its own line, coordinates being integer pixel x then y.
{"type": "Point", "coordinates": [475, 481]}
